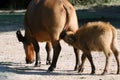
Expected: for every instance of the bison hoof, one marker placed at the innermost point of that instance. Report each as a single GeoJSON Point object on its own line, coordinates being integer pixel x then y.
{"type": "Point", "coordinates": [75, 69]}
{"type": "Point", "coordinates": [50, 69]}
{"type": "Point", "coordinates": [48, 62]}
{"type": "Point", "coordinates": [38, 64]}
{"type": "Point", "coordinates": [93, 72]}
{"type": "Point", "coordinates": [117, 72]}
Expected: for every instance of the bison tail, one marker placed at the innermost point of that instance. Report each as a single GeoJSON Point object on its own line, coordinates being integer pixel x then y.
{"type": "Point", "coordinates": [68, 17]}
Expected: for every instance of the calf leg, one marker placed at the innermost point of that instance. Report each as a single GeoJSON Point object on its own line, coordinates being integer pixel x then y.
{"type": "Point", "coordinates": [116, 54]}
{"type": "Point", "coordinates": [77, 58]}
{"type": "Point", "coordinates": [81, 67]}
{"type": "Point", "coordinates": [56, 52]}
{"type": "Point", "coordinates": [48, 49]}
{"type": "Point", "coordinates": [107, 54]}
{"type": "Point", "coordinates": [89, 56]}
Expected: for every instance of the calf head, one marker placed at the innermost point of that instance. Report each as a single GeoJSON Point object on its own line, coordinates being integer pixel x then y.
{"type": "Point", "coordinates": [68, 37]}
{"type": "Point", "coordinates": [28, 47]}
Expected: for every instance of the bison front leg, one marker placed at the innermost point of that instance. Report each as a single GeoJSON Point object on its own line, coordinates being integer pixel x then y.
{"type": "Point", "coordinates": [48, 49]}
{"type": "Point", "coordinates": [76, 51]}
{"type": "Point", "coordinates": [36, 48]}
{"type": "Point", "coordinates": [38, 61]}
{"type": "Point", "coordinates": [56, 51]}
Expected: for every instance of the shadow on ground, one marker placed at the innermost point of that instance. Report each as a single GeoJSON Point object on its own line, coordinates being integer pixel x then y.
{"type": "Point", "coordinates": [10, 67]}
{"type": "Point", "coordinates": [29, 70]}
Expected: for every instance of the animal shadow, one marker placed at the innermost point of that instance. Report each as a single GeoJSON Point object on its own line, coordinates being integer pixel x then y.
{"type": "Point", "coordinates": [25, 69]}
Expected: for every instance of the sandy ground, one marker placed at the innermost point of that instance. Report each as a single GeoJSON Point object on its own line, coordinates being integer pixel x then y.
{"type": "Point", "coordinates": [13, 67]}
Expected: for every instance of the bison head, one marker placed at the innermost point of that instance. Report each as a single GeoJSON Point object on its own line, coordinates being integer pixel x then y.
{"type": "Point", "coordinates": [28, 47]}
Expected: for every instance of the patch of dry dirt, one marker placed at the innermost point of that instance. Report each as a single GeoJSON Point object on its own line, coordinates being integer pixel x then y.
{"type": "Point", "coordinates": [13, 67]}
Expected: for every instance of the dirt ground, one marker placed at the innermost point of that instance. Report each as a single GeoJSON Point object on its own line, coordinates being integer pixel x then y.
{"type": "Point", "coordinates": [12, 57]}
{"type": "Point", "coordinates": [13, 67]}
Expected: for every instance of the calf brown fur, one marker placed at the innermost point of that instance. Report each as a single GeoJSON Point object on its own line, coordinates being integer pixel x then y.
{"type": "Point", "coordinates": [94, 36]}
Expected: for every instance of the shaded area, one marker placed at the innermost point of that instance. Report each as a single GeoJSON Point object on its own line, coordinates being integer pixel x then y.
{"type": "Point", "coordinates": [27, 70]}
{"type": "Point", "coordinates": [104, 13]}
{"type": "Point", "coordinates": [14, 21]}
{"type": "Point", "coordinates": [13, 4]}
{"type": "Point", "coordinates": [11, 22]}
{"type": "Point", "coordinates": [17, 68]}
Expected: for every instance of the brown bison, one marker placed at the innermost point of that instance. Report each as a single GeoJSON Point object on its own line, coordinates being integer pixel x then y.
{"type": "Point", "coordinates": [94, 36]}
{"type": "Point", "coordinates": [43, 22]}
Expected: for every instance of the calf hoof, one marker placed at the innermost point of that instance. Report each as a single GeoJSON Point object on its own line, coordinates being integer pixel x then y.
{"type": "Point", "coordinates": [105, 72]}
{"type": "Point", "coordinates": [80, 70]}
{"type": "Point", "coordinates": [48, 62]}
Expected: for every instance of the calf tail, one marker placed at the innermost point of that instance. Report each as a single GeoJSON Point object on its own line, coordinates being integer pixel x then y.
{"type": "Point", "coordinates": [114, 39]}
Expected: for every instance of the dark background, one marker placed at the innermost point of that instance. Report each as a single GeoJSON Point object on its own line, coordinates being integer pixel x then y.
{"type": "Point", "coordinates": [14, 4]}
{"type": "Point", "coordinates": [22, 4]}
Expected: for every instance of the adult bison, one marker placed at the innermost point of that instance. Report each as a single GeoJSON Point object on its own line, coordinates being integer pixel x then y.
{"type": "Point", "coordinates": [43, 22]}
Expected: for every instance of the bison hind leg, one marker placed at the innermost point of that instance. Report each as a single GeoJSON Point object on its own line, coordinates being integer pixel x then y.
{"type": "Point", "coordinates": [48, 49]}
{"type": "Point", "coordinates": [56, 51]}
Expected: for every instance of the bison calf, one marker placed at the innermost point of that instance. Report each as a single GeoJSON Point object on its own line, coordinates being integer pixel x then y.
{"type": "Point", "coordinates": [94, 36]}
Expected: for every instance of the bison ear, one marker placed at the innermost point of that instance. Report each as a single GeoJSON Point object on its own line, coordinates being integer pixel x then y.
{"type": "Point", "coordinates": [20, 36]}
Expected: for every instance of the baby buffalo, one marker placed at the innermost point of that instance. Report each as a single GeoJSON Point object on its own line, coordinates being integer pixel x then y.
{"type": "Point", "coordinates": [94, 36]}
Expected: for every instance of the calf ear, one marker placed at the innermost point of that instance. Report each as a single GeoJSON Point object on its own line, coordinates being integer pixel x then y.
{"type": "Point", "coordinates": [63, 34]}
{"type": "Point", "coordinates": [20, 36]}
{"type": "Point", "coordinates": [72, 39]}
